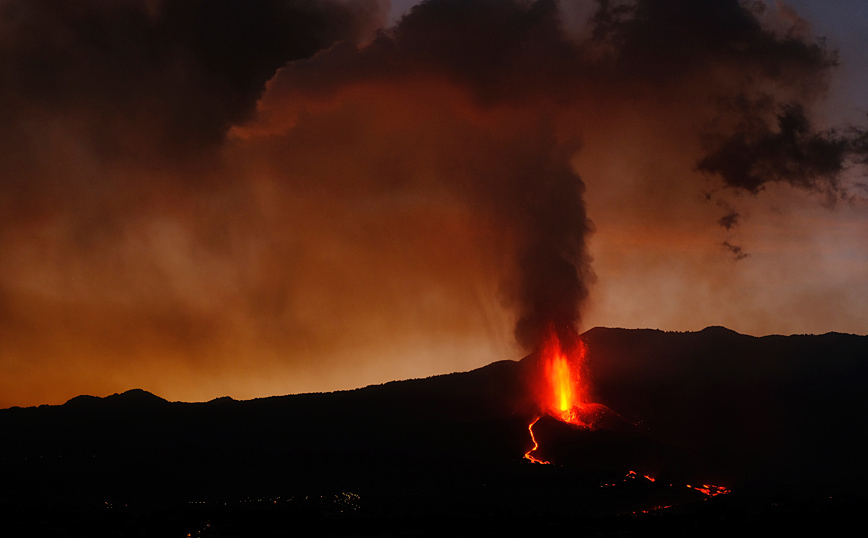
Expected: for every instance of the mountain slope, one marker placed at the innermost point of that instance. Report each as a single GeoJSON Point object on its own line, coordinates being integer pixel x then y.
{"type": "Point", "coordinates": [768, 417]}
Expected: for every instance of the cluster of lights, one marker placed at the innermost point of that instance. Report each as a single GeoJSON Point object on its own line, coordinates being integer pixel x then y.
{"type": "Point", "coordinates": [199, 532]}
{"type": "Point", "coordinates": [346, 500]}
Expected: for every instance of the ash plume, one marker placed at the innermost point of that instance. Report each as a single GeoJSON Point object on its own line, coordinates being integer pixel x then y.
{"type": "Point", "coordinates": [519, 57]}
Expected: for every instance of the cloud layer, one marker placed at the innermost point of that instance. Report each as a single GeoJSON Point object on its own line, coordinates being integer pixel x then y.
{"type": "Point", "coordinates": [286, 193]}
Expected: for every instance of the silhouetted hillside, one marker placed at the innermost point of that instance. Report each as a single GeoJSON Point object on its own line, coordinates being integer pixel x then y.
{"type": "Point", "coordinates": [749, 407]}
{"type": "Point", "coordinates": [774, 419]}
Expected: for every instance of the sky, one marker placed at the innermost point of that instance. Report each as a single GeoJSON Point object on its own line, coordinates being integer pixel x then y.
{"type": "Point", "coordinates": [262, 197]}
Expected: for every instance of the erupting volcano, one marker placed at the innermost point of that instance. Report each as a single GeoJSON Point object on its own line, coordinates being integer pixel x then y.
{"type": "Point", "coordinates": [562, 390]}
{"type": "Point", "coordinates": [565, 392]}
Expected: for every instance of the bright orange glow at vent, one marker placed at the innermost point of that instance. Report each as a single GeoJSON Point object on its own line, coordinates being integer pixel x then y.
{"type": "Point", "coordinates": [564, 392]}
{"type": "Point", "coordinates": [561, 389]}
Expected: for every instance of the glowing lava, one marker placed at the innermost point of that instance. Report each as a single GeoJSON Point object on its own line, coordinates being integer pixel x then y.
{"type": "Point", "coordinates": [710, 490]}
{"type": "Point", "coordinates": [527, 455]}
{"type": "Point", "coordinates": [563, 378]}
{"type": "Point", "coordinates": [564, 392]}
{"type": "Point", "coordinates": [561, 391]}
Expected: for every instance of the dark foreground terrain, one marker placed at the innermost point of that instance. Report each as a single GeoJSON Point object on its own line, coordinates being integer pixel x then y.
{"type": "Point", "coordinates": [777, 421]}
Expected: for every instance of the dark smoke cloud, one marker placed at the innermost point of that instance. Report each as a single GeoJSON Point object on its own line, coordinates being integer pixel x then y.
{"type": "Point", "coordinates": [730, 220]}
{"type": "Point", "coordinates": [859, 146]}
{"type": "Point", "coordinates": [527, 183]}
{"type": "Point", "coordinates": [675, 55]}
{"type": "Point", "coordinates": [554, 264]}
{"type": "Point", "coordinates": [157, 78]}
{"type": "Point", "coordinates": [737, 251]}
{"type": "Point", "coordinates": [791, 151]}
{"type": "Point", "coordinates": [101, 99]}
{"type": "Point", "coordinates": [520, 51]}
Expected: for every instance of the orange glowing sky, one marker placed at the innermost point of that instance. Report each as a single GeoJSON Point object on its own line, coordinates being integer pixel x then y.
{"type": "Point", "coordinates": [249, 216]}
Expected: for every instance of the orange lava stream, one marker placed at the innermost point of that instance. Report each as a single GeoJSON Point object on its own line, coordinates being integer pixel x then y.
{"type": "Point", "coordinates": [710, 490]}
{"type": "Point", "coordinates": [706, 489]}
{"type": "Point", "coordinates": [527, 455]}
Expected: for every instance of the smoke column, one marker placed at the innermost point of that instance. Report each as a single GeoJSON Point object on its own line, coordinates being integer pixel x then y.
{"type": "Point", "coordinates": [743, 82]}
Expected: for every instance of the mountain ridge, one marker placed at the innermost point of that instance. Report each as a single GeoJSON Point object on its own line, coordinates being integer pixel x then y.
{"type": "Point", "coordinates": [769, 417]}
{"type": "Point", "coordinates": [141, 395]}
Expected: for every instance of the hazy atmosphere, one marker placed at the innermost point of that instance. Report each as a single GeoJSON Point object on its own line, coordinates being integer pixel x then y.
{"type": "Point", "coordinates": [250, 198]}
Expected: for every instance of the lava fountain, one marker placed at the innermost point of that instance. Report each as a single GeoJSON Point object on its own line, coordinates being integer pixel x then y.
{"type": "Point", "coordinates": [562, 391]}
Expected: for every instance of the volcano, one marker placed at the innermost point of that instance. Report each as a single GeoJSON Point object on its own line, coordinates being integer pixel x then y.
{"type": "Point", "coordinates": [775, 422]}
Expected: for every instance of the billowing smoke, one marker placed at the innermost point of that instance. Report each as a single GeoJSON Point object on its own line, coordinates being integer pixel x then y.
{"type": "Point", "coordinates": [157, 79]}
{"type": "Point", "coordinates": [790, 151]}
{"type": "Point", "coordinates": [746, 84]}
{"type": "Point", "coordinates": [514, 168]}
{"type": "Point", "coordinates": [224, 182]}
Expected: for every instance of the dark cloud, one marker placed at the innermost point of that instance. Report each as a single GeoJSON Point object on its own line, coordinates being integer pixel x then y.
{"type": "Point", "coordinates": [157, 78]}
{"type": "Point", "coordinates": [737, 251]}
{"type": "Point", "coordinates": [495, 50]}
{"type": "Point", "coordinates": [859, 144]}
{"type": "Point", "coordinates": [681, 57]}
{"type": "Point", "coordinates": [110, 108]}
{"type": "Point", "coordinates": [791, 151]}
{"type": "Point", "coordinates": [730, 220]}
{"type": "Point", "coordinates": [673, 39]}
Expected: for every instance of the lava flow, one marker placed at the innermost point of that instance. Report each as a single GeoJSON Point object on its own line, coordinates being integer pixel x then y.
{"type": "Point", "coordinates": [562, 393]}
{"type": "Point", "coordinates": [710, 490]}
{"type": "Point", "coordinates": [528, 455]}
